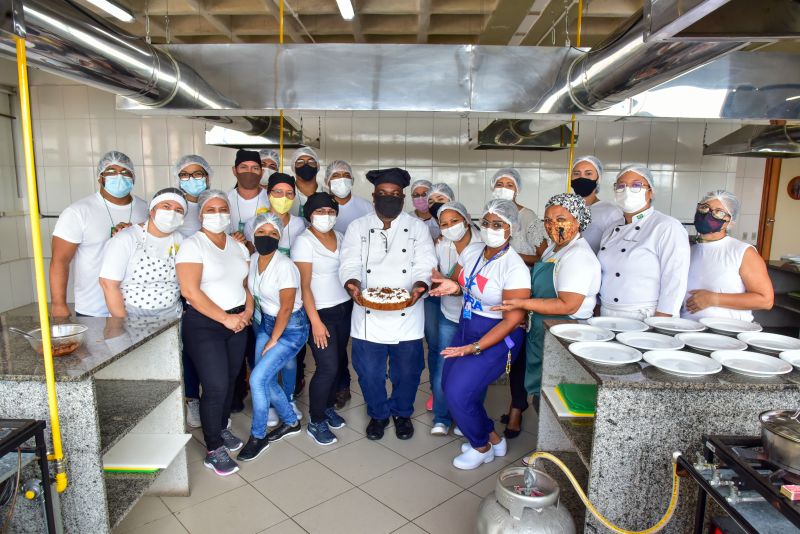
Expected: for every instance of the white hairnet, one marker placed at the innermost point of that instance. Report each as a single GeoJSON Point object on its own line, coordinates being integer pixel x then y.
{"type": "Point", "coordinates": [268, 218]}
{"type": "Point", "coordinates": [641, 170]}
{"type": "Point", "coordinates": [443, 189]}
{"type": "Point", "coordinates": [508, 173]}
{"type": "Point", "coordinates": [458, 207]}
{"type": "Point", "coordinates": [728, 199]}
{"type": "Point", "coordinates": [115, 157]}
{"type": "Point", "coordinates": [337, 166]}
{"type": "Point", "coordinates": [191, 159]}
{"type": "Point", "coordinates": [421, 183]}
{"type": "Point", "coordinates": [209, 194]}
{"type": "Point", "coordinates": [598, 165]}
{"type": "Point", "coordinates": [302, 151]}
{"type": "Point", "coordinates": [506, 210]}
{"type": "Point", "coordinates": [268, 153]}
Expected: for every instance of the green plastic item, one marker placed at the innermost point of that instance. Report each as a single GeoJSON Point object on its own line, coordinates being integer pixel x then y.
{"type": "Point", "coordinates": [579, 398]}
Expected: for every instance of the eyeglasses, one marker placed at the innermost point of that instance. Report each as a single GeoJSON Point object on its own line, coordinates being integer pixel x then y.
{"type": "Point", "coordinates": [302, 163]}
{"type": "Point", "coordinates": [124, 172]}
{"type": "Point", "coordinates": [718, 213]}
{"type": "Point", "coordinates": [635, 187]}
{"type": "Point", "coordinates": [419, 195]}
{"type": "Point", "coordinates": [281, 194]}
{"type": "Point", "coordinates": [493, 225]}
{"type": "Point", "coordinates": [195, 174]}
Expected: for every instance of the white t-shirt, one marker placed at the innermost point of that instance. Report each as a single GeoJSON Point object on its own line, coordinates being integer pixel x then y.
{"type": "Point", "coordinates": [325, 285]}
{"type": "Point", "coordinates": [119, 252]}
{"type": "Point", "coordinates": [281, 273]}
{"type": "Point", "coordinates": [356, 207]}
{"type": "Point", "coordinates": [88, 224]}
{"type": "Point", "coordinates": [243, 210]}
{"type": "Point", "coordinates": [191, 220]}
{"type": "Point", "coordinates": [530, 233]}
{"type": "Point", "coordinates": [490, 280]}
{"type": "Point", "coordinates": [605, 215]}
{"type": "Point", "coordinates": [448, 258]}
{"type": "Point", "coordinates": [296, 226]}
{"type": "Point", "coordinates": [224, 270]}
{"type": "Point", "coordinates": [577, 270]}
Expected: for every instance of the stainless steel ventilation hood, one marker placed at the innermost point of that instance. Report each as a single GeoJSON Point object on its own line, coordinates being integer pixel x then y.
{"type": "Point", "coordinates": [758, 142]}
{"type": "Point", "coordinates": [523, 134]}
{"type": "Point", "coordinates": [265, 135]}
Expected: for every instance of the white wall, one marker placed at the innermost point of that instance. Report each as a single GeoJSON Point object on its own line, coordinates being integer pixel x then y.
{"type": "Point", "coordinates": [787, 214]}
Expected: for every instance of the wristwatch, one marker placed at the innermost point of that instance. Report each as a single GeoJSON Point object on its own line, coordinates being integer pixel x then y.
{"type": "Point", "coordinates": [477, 347]}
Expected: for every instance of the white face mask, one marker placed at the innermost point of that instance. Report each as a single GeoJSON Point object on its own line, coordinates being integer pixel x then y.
{"type": "Point", "coordinates": [216, 222]}
{"type": "Point", "coordinates": [631, 202]}
{"type": "Point", "coordinates": [323, 223]}
{"type": "Point", "coordinates": [501, 193]}
{"type": "Point", "coordinates": [267, 173]}
{"type": "Point", "coordinates": [493, 238]}
{"type": "Point", "coordinates": [168, 221]}
{"type": "Point", "coordinates": [455, 232]}
{"type": "Point", "coordinates": [341, 187]}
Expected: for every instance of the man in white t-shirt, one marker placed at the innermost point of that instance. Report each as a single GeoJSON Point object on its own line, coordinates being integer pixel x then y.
{"type": "Point", "coordinates": [247, 199]}
{"type": "Point", "coordinates": [83, 229]}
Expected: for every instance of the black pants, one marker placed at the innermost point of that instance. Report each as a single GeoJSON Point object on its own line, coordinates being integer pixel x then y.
{"type": "Point", "coordinates": [217, 354]}
{"type": "Point", "coordinates": [323, 386]}
{"type": "Point", "coordinates": [241, 386]}
{"type": "Point", "coordinates": [516, 382]}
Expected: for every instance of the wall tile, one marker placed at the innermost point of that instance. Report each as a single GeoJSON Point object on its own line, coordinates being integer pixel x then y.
{"type": "Point", "coordinates": [6, 298]}
{"type": "Point", "coordinates": [751, 196]}
{"type": "Point", "coordinates": [754, 168]}
{"type": "Point", "coordinates": [22, 282]}
{"type": "Point", "coordinates": [54, 142]}
{"type": "Point", "coordinates": [711, 181]}
{"type": "Point", "coordinates": [472, 189]}
{"type": "Point", "coordinates": [9, 237]}
{"type": "Point", "coordinates": [526, 158]}
{"type": "Point", "coordinates": [685, 194]}
{"type": "Point", "coordinates": [391, 142]}
{"type": "Point", "coordinates": [662, 189]}
{"type": "Point", "coordinates": [76, 101]}
{"type": "Point", "coordinates": [365, 141]}
{"type": "Point", "coordinates": [557, 159]}
{"type": "Point", "coordinates": [586, 131]}
{"type": "Point", "coordinates": [104, 137]}
{"type": "Point", "coordinates": [210, 152]}
{"type": "Point", "coordinates": [447, 175]}
{"type": "Point", "coordinates": [551, 182]}
{"type": "Point", "coordinates": [531, 183]}
{"type": "Point", "coordinates": [83, 182]}
{"type": "Point", "coordinates": [419, 141]}
{"type": "Point", "coordinates": [467, 155]}
{"type": "Point", "coordinates": [79, 142]}
{"type": "Point", "coordinates": [129, 138]}
{"type": "Point", "coordinates": [661, 152]}
{"type": "Point", "coordinates": [55, 189]}
{"type": "Point", "coordinates": [51, 102]}
{"type": "Point", "coordinates": [608, 144]}
{"type": "Point", "coordinates": [102, 105]}
{"type": "Point", "coordinates": [180, 138]}
{"type": "Point", "coordinates": [689, 156]}
{"type": "Point", "coordinates": [446, 136]}
{"type": "Point", "coordinates": [155, 143]}
{"type": "Point", "coordinates": [155, 179]}
{"type": "Point", "coordinates": [338, 141]}
{"type": "Point", "coordinates": [635, 142]}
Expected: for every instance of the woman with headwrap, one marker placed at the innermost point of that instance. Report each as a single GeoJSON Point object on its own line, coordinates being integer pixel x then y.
{"type": "Point", "coordinates": [564, 283]}
{"type": "Point", "coordinates": [192, 175]}
{"type": "Point", "coordinates": [586, 174]}
{"type": "Point", "coordinates": [727, 277]}
{"type": "Point", "coordinates": [531, 240]}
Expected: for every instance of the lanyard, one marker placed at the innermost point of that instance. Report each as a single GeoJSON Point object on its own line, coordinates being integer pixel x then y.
{"type": "Point", "coordinates": [171, 251]}
{"type": "Point", "coordinates": [241, 224]}
{"type": "Point", "coordinates": [110, 218]}
{"type": "Point", "coordinates": [468, 281]}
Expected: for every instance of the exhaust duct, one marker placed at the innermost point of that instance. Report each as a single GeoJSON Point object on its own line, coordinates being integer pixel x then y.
{"type": "Point", "coordinates": [758, 142]}
{"type": "Point", "coordinates": [521, 134]}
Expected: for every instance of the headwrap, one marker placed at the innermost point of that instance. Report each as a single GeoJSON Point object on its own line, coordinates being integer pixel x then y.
{"type": "Point", "coordinates": [575, 205]}
{"type": "Point", "coordinates": [391, 176]}
{"type": "Point", "coordinates": [268, 218]}
{"type": "Point", "coordinates": [506, 210]}
{"type": "Point", "coordinates": [169, 193]}
{"type": "Point", "coordinates": [508, 173]}
{"type": "Point", "coordinates": [596, 163]}
{"type": "Point", "coordinates": [210, 194]}
{"type": "Point", "coordinates": [280, 178]}
{"type": "Point", "coordinates": [728, 199]}
{"type": "Point", "coordinates": [247, 155]}
{"type": "Point", "coordinates": [317, 201]}
{"type": "Point", "coordinates": [191, 159]}
{"type": "Point", "coordinates": [115, 157]}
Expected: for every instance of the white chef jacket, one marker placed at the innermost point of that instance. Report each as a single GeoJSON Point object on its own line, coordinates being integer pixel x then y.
{"type": "Point", "coordinates": [397, 258]}
{"type": "Point", "coordinates": [645, 264]}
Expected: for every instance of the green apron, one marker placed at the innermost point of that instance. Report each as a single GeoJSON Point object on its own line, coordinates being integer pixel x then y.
{"type": "Point", "coordinates": [541, 288]}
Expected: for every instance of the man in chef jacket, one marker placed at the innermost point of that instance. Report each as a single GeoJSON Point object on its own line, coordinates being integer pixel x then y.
{"type": "Point", "coordinates": [388, 248]}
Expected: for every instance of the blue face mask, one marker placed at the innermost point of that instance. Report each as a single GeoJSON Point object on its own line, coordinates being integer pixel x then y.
{"type": "Point", "coordinates": [193, 186]}
{"type": "Point", "coordinates": [118, 186]}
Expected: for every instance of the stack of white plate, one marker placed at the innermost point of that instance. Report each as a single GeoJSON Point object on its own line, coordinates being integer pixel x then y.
{"type": "Point", "coordinates": [618, 324]}
{"type": "Point", "coordinates": [679, 362]}
{"type": "Point", "coordinates": [605, 353]}
{"type": "Point", "coordinates": [791, 356]}
{"type": "Point", "coordinates": [709, 343]}
{"type": "Point", "coordinates": [769, 343]}
{"type": "Point", "coordinates": [751, 363]}
{"type": "Point", "coordinates": [581, 332]}
{"type": "Point", "coordinates": [729, 327]}
{"type": "Point", "coordinates": [674, 325]}
{"type": "Point", "coordinates": [649, 341]}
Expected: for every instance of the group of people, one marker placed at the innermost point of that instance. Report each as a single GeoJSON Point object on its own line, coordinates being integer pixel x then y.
{"type": "Point", "coordinates": [277, 263]}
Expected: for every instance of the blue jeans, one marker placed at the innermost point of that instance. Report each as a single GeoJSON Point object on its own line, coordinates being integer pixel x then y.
{"type": "Point", "coordinates": [406, 361]}
{"type": "Point", "coordinates": [289, 372]}
{"type": "Point", "coordinates": [447, 331]}
{"type": "Point", "coordinates": [264, 388]}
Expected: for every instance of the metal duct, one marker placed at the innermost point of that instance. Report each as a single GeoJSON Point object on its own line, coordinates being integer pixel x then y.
{"type": "Point", "coordinates": [524, 134]}
{"type": "Point", "coordinates": [758, 142]}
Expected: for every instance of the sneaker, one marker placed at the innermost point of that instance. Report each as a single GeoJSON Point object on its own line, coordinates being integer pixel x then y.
{"type": "Point", "coordinates": [232, 443]}
{"type": "Point", "coordinates": [321, 433]}
{"type": "Point", "coordinates": [342, 397]}
{"type": "Point", "coordinates": [334, 419]}
{"type": "Point", "coordinates": [193, 413]}
{"type": "Point", "coordinates": [429, 404]}
{"type": "Point", "coordinates": [297, 411]}
{"type": "Point", "coordinates": [272, 418]}
{"type": "Point", "coordinates": [219, 461]}
{"type": "Point", "coordinates": [501, 449]}
{"type": "Point", "coordinates": [457, 432]}
{"type": "Point", "coordinates": [439, 429]}
{"type": "Point", "coordinates": [472, 459]}
{"type": "Point", "coordinates": [283, 431]}
{"type": "Point", "coordinates": [255, 446]}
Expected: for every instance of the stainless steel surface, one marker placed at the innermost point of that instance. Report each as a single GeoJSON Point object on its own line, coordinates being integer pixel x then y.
{"type": "Point", "coordinates": [262, 132]}
{"type": "Point", "coordinates": [759, 142]}
{"type": "Point", "coordinates": [524, 134]}
{"type": "Point", "coordinates": [780, 433]}
{"type": "Point", "coordinates": [665, 18]}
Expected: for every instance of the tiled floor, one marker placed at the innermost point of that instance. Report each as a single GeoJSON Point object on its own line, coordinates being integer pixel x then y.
{"type": "Point", "coordinates": [354, 486]}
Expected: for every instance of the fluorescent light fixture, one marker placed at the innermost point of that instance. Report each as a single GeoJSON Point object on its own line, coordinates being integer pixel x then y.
{"type": "Point", "coordinates": [346, 9]}
{"type": "Point", "coordinates": [113, 9]}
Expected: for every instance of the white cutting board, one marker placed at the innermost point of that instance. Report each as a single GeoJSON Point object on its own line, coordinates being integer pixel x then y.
{"type": "Point", "coordinates": [145, 451]}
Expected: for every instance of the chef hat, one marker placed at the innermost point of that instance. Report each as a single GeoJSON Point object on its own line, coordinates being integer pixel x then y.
{"type": "Point", "coordinates": [508, 173]}
{"type": "Point", "coordinates": [303, 151]}
{"type": "Point", "coordinates": [728, 199]}
{"type": "Point", "coordinates": [506, 210]}
{"type": "Point", "coordinates": [392, 176]}
{"type": "Point", "coordinates": [422, 183]}
{"type": "Point", "coordinates": [598, 165]}
{"type": "Point", "coordinates": [115, 157]}
{"type": "Point", "coordinates": [243, 155]}
{"type": "Point", "coordinates": [280, 178]}
{"type": "Point", "coordinates": [210, 194]}
{"type": "Point", "coordinates": [272, 155]}
{"type": "Point", "coordinates": [169, 193]}
{"type": "Point", "coordinates": [575, 205]}
{"type": "Point", "coordinates": [457, 207]}
{"type": "Point", "coordinates": [337, 166]}
{"type": "Point", "coordinates": [641, 170]}
{"type": "Point", "coordinates": [191, 159]}
{"type": "Point", "coordinates": [268, 218]}
{"type": "Point", "coordinates": [442, 189]}
{"type": "Point", "coordinates": [317, 201]}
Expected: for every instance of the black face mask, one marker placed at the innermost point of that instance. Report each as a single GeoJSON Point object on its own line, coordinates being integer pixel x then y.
{"type": "Point", "coordinates": [435, 207]}
{"type": "Point", "coordinates": [248, 180]}
{"type": "Point", "coordinates": [306, 172]}
{"type": "Point", "coordinates": [388, 207]}
{"type": "Point", "coordinates": [584, 186]}
{"type": "Point", "coordinates": [265, 244]}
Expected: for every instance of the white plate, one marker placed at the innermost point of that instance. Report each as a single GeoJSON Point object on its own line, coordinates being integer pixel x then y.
{"type": "Point", "coordinates": [674, 324]}
{"type": "Point", "coordinates": [618, 324]}
{"type": "Point", "coordinates": [751, 363]}
{"type": "Point", "coordinates": [791, 356]}
{"type": "Point", "coordinates": [711, 342]}
{"type": "Point", "coordinates": [771, 343]}
{"type": "Point", "coordinates": [605, 353]}
{"type": "Point", "coordinates": [649, 341]}
{"type": "Point", "coordinates": [581, 332]}
{"type": "Point", "coordinates": [729, 326]}
{"type": "Point", "coordinates": [679, 362]}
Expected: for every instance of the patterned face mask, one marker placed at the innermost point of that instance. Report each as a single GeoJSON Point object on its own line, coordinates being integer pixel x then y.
{"type": "Point", "coordinates": [561, 231]}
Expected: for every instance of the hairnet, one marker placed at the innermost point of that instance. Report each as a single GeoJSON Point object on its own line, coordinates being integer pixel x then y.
{"type": "Point", "coordinates": [458, 207]}
{"type": "Point", "coordinates": [337, 166]}
{"type": "Point", "coordinates": [303, 151]}
{"type": "Point", "coordinates": [209, 194]}
{"type": "Point", "coordinates": [169, 193]}
{"type": "Point", "coordinates": [422, 183]}
{"type": "Point", "coordinates": [641, 170]}
{"type": "Point", "coordinates": [506, 210]}
{"type": "Point", "coordinates": [575, 205]}
{"type": "Point", "coordinates": [508, 173]}
{"type": "Point", "coordinates": [191, 159]}
{"type": "Point", "coordinates": [115, 157]}
{"type": "Point", "coordinates": [268, 153]}
{"type": "Point", "coordinates": [728, 199]}
{"type": "Point", "coordinates": [268, 218]}
{"type": "Point", "coordinates": [443, 189]}
{"type": "Point", "coordinates": [598, 165]}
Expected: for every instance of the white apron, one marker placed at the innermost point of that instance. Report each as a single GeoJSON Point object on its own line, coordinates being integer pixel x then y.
{"type": "Point", "coordinates": [629, 312]}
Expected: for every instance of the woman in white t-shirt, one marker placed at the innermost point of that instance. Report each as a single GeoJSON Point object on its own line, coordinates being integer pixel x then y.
{"type": "Point", "coordinates": [212, 272]}
{"type": "Point", "coordinates": [487, 341]}
{"type": "Point", "coordinates": [281, 329]}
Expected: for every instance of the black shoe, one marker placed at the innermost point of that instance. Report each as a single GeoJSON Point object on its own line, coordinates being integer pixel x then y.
{"type": "Point", "coordinates": [403, 427]}
{"type": "Point", "coordinates": [283, 431]}
{"type": "Point", "coordinates": [375, 428]}
{"type": "Point", "coordinates": [342, 396]}
{"type": "Point", "coordinates": [253, 449]}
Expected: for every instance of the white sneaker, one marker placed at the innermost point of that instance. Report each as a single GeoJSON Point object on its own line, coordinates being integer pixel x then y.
{"type": "Point", "coordinates": [472, 459]}
{"type": "Point", "coordinates": [501, 448]}
{"type": "Point", "coordinates": [439, 429]}
{"type": "Point", "coordinates": [272, 418]}
{"type": "Point", "coordinates": [193, 413]}
{"type": "Point", "coordinates": [297, 411]}
{"type": "Point", "coordinates": [457, 432]}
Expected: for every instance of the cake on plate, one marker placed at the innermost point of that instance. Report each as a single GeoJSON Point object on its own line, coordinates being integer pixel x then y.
{"type": "Point", "coordinates": [385, 298]}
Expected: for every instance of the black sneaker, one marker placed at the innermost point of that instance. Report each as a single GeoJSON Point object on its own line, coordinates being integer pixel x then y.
{"type": "Point", "coordinates": [375, 428]}
{"type": "Point", "coordinates": [334, 419]}
{"type": "Point", "coordinates": [255, 446]}
{"type": "Point", "coordinates": [232, 443]}
{"type": "Point", "coordinates": [403, 427]}
{"type": "Point", "coordinates": [219, 461]}
{"type": "Point", "coordinates": [342, 396]}
{"type": "Point", "coordinates": [283, 431]}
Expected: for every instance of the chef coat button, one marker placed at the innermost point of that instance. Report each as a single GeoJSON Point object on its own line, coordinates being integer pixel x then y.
{"type": "Point", "coordinates": [368, 310]}
{"type": "Point", "coordinates": [372, 231]}
{"type": "Point", "coordinates": [404, 271]}
{"type": "Point", "coordinates": [602, 248]}
{"type": "Point", "coordinates": [405, 229]}
{"type": "Point", "coordinates": [403, 314]}
{"type": "Point", "coordinates": [616, 229]}
{"type": "Point", "coordinates": [369, 271]}
{"type": "Point", "coordinates": [637, 227]}
{"type": "Point", "coordinates": [404, 250]}
{"type": "Point", "coordinates": [615, 300]}
{"type": "Point", "coordinates": [623, 250]}
{"type": "Point", "coordinates": [617, 274]}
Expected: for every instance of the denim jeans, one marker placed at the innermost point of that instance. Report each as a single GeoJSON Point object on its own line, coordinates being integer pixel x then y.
{"type": "Point", "coordinates": [264, 388]}
{"type": "Point", "coordinates": [288, 374]}
{"type": "Point", "coordinates": [447, 331]}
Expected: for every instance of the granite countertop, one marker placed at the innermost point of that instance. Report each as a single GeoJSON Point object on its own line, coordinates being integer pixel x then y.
{"type": "Point", "coordinates": [643, 375]}
{"type": "Point", "coordinates": [787, 266]}
{"type": "Point", "coordinates": [106, 340]}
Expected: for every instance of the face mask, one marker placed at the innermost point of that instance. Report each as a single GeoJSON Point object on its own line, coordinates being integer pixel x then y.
{"type": "Point", "coordinates": [323, 223]}
{"type": "Point", "coordinates": [168, 221]}
{"type": "Point", "coordinates": [388, 206]}
{"type": "Point", "coordinates": [561, 232]}
{"type": "Point", "coordinates": [248, 180]}
{"type": "Point", "coordinates": [501, 193]}
{"type": "Point", "coordinates": [455, 232]}
{"type": "Point", "coordinates": [435, 207]}
{"type": "Point", "coordinates": [306, 172]}
{"type": "Point", "coordinates": [341, 187]}
{"type": "Point", "coordinates": [631, 202]}
{"type": "Point", "coordinates": [267, 173]}
{"type": "Point", "coordinates": [420, 203]}
{"type": "Point", "coordinates": [193, 186]}
{"type": "Point", "coordinates": [584, 186]}
{"type": "Point", "coordinates": [118, 186]}
{"type": "Point", "coordinates": [281, 205]}
{"type": "Point", "coordinates": [265, 244]}
{"type": "Point", "coordinates": [216, 222]}
{"type": "Point", "coordinates": [493, 238]}
{"type": "Point", "coordinates": [705, 223]}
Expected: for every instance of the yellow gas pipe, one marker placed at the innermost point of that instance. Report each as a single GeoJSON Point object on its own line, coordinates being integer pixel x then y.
{"type": "Point", "coordinates": [280, 40]}
{"type": "Point", "coordinates": [38, 262]}
{"type": "Point", "coordinates": [572, 130]}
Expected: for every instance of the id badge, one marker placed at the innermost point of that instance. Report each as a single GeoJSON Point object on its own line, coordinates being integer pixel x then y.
{"type": "Point", "coordinates": [256, 310]}
{"type": "Point", "coordinates": [241, 227]}
{"type": "Point", "coordinates": [467, 312]}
